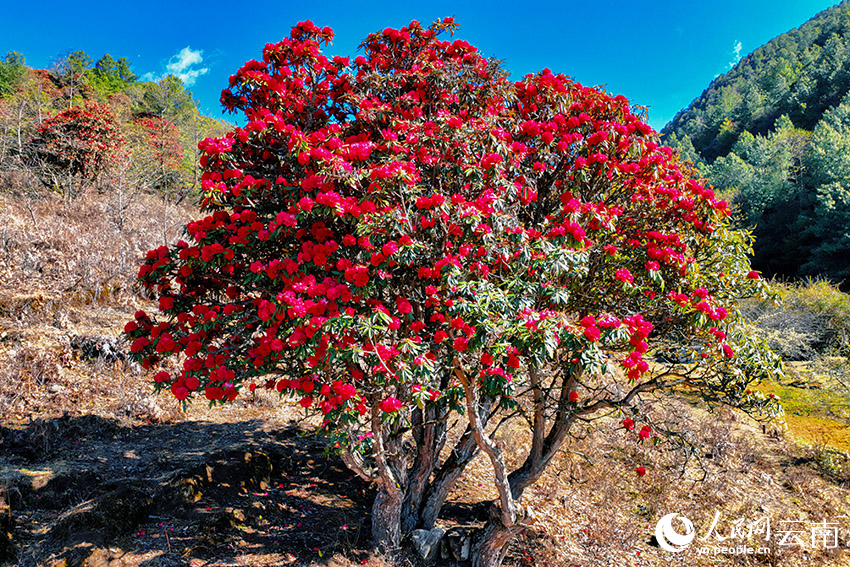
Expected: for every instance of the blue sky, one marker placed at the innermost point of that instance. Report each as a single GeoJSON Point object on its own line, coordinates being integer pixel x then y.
{"type": "Point", "coordinates": [659, 54]}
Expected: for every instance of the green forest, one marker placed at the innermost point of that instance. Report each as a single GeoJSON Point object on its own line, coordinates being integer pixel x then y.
{"type": "Point", "coordinates": [772, 135]}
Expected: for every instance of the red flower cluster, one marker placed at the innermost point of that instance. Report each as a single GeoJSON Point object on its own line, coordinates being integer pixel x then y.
{"type": "Point", "coordinates": [391, 405]}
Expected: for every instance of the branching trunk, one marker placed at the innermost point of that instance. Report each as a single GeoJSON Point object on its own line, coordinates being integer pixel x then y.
{"type": "Point", "coordinates": [429, 433]}
{"type": "Point", "coordinates": [490, 550]}
{"type": "Point", "coordinates": [447, 475]}
{"type": "Point", "coordinates": [492, 544]}
{"type": "Point", "coordinates": [445, 478]}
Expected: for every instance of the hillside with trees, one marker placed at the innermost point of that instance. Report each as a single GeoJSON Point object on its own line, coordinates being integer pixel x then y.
{"type": "Point", "coordinates": [801, 74]}
{"type": "Point", "coordinates": [771, 135]}
{"type": "Point", "coordinates": [83, 124]}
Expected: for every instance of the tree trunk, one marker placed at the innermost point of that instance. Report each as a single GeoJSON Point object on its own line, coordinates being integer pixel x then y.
{"type": "Point", "coordinates": [429, 433]}
{"type": "Point", "coordinates": [491, 545]}
{"type": "Point", "coordinates": [410, 516]}
{"type": "Point", "coordinates": [386, 521]}
{"type": "Point", "coordinates": [446, 475]}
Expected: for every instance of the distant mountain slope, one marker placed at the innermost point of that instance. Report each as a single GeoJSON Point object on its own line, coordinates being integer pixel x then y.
{"type": "Point", "coordinates": [801, 74]}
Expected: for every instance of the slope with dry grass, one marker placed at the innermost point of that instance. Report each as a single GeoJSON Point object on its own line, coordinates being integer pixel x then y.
{"type": "Point", "coordinates": [83, 441]}
{"type": "Point", "coordinates": [66, 279]}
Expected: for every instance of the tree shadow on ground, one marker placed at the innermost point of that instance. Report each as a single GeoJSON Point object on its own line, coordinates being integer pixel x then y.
{"type": "Point", "coordinates": [88, 490]}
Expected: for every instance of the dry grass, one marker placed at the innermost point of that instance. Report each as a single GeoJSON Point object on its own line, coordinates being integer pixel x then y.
{"type": "Point", "coordinates": [67, 271]}
{"type": "Point", "coordinates": [591, 509]}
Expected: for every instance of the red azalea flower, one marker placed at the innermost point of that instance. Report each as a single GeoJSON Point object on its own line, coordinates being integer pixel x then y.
{"type": "Point", "coordinates": [390, 405]}
{"type": "Point", "coordinates": [403, 305]}
{"type": "Point", "coordinates": [592, 334]}
{"type": "Point", "coordinates": [624, 275]}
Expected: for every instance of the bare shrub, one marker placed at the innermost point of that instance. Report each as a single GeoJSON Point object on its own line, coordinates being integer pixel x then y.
{"type": "Point", "coordinates": [813, 319]}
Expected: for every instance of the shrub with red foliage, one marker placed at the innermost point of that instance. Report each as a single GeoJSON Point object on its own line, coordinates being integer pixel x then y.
{"type": "Point", "coordinates": [161, 152]}
{"type": "Point", "coordinates": [75, 146]}
{"type": "Point", "coordinates": [163, 137]}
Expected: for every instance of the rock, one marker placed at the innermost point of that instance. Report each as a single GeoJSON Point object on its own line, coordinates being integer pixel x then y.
{"type": "Point", "coordinates": [427, 542]}
{"type": "Point", "coordinates": [457, 543]}
{"type": "Point", "coordinates": [99, 347]}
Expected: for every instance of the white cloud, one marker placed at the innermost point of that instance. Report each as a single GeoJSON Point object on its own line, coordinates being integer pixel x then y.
{"type": "Point", "coordinates": [186, 58]}
{"type": "Point", "coordinates": [184, 63]}
{"type": "Point", "coordinates": [736, 54]}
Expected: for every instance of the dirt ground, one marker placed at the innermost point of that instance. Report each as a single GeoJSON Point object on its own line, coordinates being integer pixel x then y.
{"type": "Point", "coordinates": [89, 491]}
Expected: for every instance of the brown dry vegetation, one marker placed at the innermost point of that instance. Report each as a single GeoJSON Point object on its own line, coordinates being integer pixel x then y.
{"type": "Point", "coordinates": [99, 471]}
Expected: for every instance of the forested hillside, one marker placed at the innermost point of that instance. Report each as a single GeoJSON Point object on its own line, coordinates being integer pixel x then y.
{"type": "Point", "coordinates": [801, 73]}
{"type": "Point", "coordinates": [84, 124]}
{"type": "Point", "coordinates": [772, 135]}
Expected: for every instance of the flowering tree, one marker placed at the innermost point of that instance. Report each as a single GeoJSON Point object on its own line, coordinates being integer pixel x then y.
{"type": "Point", "coordinates": [415, 237]}
{"type": "Point", "coordinates": [74, 147]}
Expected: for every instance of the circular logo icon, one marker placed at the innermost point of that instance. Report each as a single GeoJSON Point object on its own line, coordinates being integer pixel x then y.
{"type": "Point", "coordinates": [671, 540]}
